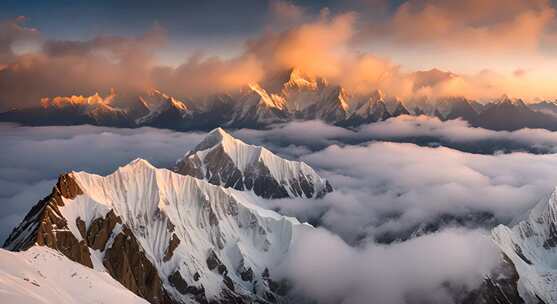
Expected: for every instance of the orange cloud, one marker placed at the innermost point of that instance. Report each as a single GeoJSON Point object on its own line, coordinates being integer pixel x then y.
{"type": "Point", "coordinates": [509, 25]}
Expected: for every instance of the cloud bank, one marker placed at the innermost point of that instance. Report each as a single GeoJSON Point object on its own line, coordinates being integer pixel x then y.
{"type": "Point", "coordinates": [427, 269]}
{"type": "Point", "coordinates": [347, 47]}
{"type": "Point", "coordinates": [33, 157]}
{"type": "Point", "coordinates": [406, 223]}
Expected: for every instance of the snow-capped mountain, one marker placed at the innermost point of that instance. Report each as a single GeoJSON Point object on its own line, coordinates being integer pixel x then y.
{"type": "Point", "coordinates": [461, 108]}
{"type": "Point", "coordinates": [167, 237]}
{"type": "Point", "coordinates": [369, 110]}
{"type": "Point", "coordinates": [531, 245]}
{"type": "Point", "coordinates": [164, 111]}
{"type": "Point", "coordinates": [513, 114]}
{"type": "Point", "coordinates": [548, 107]}
{"type": "Point", "coordinates": [314, 98]}
{"type": "Point", "coordinates": [257, 108]}
{"type": "Point", "coordinates": [43, 275]}
{"type": "Point", "coordinates": [72, 110]}
{"type": "Point", "coordinates": [278, 98]}
{"type": "Point", "coordinates": [399, 109]}
{"type": "Point", "coordinates": [224, 160]}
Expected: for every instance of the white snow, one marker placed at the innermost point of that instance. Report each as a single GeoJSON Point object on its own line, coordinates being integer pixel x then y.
{"type": "Point", "coordinates": [245, 156]}
{"type": "Point", "coordinates": [158, 103]}
{"type": "Point", "coordinates": [529, 239]}
{"type": "Point", "coordinates": [205, 217]}
{"type": "Point", "coordinates": [42, 275]}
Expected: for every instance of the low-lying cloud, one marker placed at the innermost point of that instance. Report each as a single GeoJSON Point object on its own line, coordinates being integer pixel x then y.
{"type": "Point", "coordinates": [33, 157]}
{"type": "Point", "coordinates": [296, 138]}
{"type": "Point", "coordinates": [405, 224]}
{"type": "Point", "coordinates": [430, 269]}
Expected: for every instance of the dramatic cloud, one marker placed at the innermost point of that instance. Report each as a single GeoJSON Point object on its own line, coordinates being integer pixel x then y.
{"type": "Point", "coordinates": [427, 269]}
{"type": "Point", "coordinates": [80, 68]}
{"type": "Point", "coordinates": [340, 45]}
{"type": "Point", "coordinates": [13, 32]}
{"type": "Point", "coordinates": [458, 134]}
{"type": "Point", "coordinates": [388, 190]}
{"type": "Point", "coordinates": [484, 25]}
{"type": "Point", "coordinates": [426, 198]}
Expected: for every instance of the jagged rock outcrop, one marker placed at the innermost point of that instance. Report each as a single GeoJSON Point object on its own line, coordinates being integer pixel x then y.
{"type": "Point", "coordinates": [224, 160]}
{"type": "Point", "coordinates": [45, 225]}
{"type": "Point", "coordinates": [531, 246]}
{"type": "Point", "coordinates": [500, 287]}
{"type": "Point", "coordinates": [166, 237]}
{"type": "Point", "coordinates": [127, 263]}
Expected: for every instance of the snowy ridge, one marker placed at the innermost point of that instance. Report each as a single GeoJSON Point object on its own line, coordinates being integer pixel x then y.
{"type": "Point", "coordinates": [532, 247]}
{"type": "Point", "coordinates": [159, 205]}
{"type": "Point", "coordinates": [248, 159]}
{"type": "Point", "coordinates": [42, 275]}
{"type": "Point", "coordinates": [159, 104]}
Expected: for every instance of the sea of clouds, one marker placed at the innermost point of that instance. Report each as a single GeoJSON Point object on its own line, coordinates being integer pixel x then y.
{"type": "Point", "coordinates": [409, 220]}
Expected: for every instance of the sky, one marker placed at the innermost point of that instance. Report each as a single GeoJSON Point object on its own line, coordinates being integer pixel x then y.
{"type": "Point", "coordinates": [477, 49]}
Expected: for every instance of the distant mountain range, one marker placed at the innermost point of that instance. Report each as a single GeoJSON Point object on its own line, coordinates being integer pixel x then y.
{"type": "Point", "coordinates": [287, 96]}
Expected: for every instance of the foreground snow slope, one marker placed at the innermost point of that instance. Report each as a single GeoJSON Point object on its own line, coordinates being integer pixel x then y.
{"type": "Point", "coordinates": [531, 245]}
{"type": "Point", "coordinates": [42, 275]}
{"type": "Point", "coordinates": [224, 160]}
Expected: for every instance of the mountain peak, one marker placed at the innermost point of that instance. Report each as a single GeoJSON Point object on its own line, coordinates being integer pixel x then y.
{"type": "Point", "coordinates": [377, 95]}
{"type": "Point", "coordinates": [138, 163]}
{"type": "Point", "coordinates": [167, 237]}
{"type": "Point", "coordinates": [224, 160]}
{"type": "Point", "coordinates": [531, 245]}
{"type": "Point", "coordinates": [213, 138]}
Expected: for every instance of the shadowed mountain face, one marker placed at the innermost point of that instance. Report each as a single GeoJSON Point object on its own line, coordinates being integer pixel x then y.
{"type": "Point", "coordinates": [512, 115]}
{"type": "Point", "coordinates": [166, 237]}
{"type": "Point", "coordinates": [531, 245]}
{"type": "Point", "coordinates": [290, 95]}
{"type": "Point", "coordinates": [226, 161]}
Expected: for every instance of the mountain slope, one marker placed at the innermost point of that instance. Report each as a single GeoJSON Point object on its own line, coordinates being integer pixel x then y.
{"type": "Point", "coordinates": [256, 108]}
{"type": "Point", "coordinates": [167, 237]}
{"type": "Point", "coordinates": [71, 110]}
{"type": "Point", "coordinates": [166, 112]}
{"type": "Point", "coordinates": [42, 275]}
{"type": "Point", "coordinates": [224, 160]}
{"type": "Point", "coordinates": [531, 245]}
{"type": "Point", "coordinates": [461, 108]}
{"type": "Point", "coordinates": [510, 115]}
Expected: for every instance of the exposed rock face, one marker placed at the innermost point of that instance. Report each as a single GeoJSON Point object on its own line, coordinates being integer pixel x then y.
{"type": "Point", "coordinates": [166, 237]}
{"type": "Point", "coordinates": [224, 160]}
{"type": "Point", "coordinates": [44, 225]}
{"type": "Point", "coordinates": [101, 229]}
{"type": "Point", "coordinates": [461, 108]}
{"type": "Point", "coordinates": [127, 263]}
{"type": "Point", "coordinates": [174, 242]}
{"type": "Point", "coordinates": [500, 287]}
{"type": "Point", "coordinates": [530, 246]}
